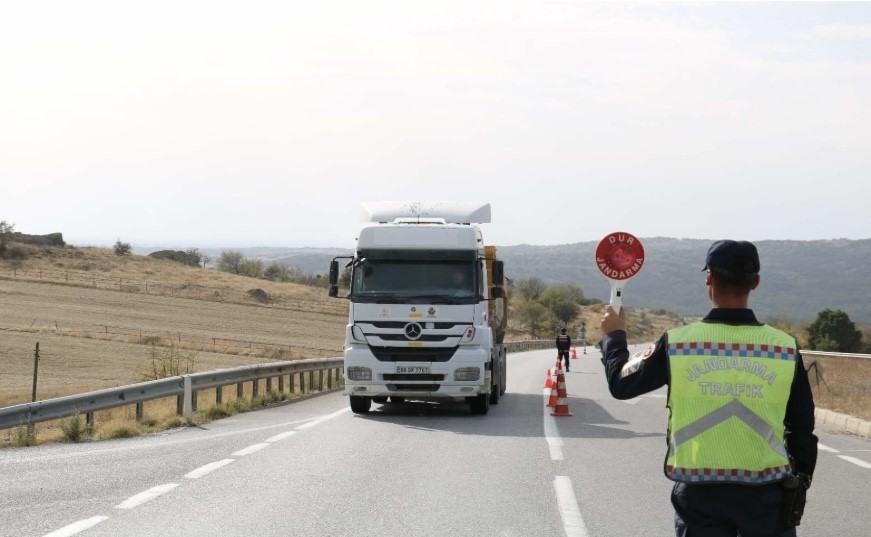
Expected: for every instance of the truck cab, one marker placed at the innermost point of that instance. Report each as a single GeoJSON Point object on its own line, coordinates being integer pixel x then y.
{"type": "Point", "coordinates": [426, 308]}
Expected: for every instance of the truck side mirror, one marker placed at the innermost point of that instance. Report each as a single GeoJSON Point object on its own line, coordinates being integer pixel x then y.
{"type": "Point", "coordinates": [498, 273]}
{"type": "Point", "coordinates": [334, 272]}
{"type": "Point", "coordinates": [334, 278]}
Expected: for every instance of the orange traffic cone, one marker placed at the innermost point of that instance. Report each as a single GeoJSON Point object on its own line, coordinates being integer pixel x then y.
{"type": "Point", "coordinates": [561, 408]}
{"type": "Point", "coordinates": [554, 395]}
{"type": "Point", "coordinates": [574, 353]}
{"type": "Point", "coordinates": [548, 379]}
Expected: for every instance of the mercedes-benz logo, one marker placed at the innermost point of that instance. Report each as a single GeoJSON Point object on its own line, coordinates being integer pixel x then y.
{"type": "Point", "coordinates": [413, 331]}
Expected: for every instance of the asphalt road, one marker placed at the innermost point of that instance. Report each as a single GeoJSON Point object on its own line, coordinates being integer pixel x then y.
{"type": "Point", "coordinates": [418, 469]}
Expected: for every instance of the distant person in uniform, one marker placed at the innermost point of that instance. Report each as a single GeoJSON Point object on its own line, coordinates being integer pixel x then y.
{"type": "Point", "coordinates": [741, 448]}
{"type": "Point", "coordinates": [563, 344]}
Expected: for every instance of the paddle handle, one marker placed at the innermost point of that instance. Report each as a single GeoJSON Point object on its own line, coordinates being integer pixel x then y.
{"type": "Point", "coordinates": [616, 296]}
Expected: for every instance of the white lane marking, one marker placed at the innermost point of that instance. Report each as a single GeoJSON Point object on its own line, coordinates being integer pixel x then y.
{"type": "Point", "coordinates": [77, 527]}
{"type": "Point", "coordinates": [318, 421]}
{"type": "Point", "coordinates": [148, 443]}
{"type": "Point", "coordinates": [280, 437]}
{"type": "Point", "coordinates": [573, 523]}
{"type": "Point", "coordinates": [633, 401]}
{"type": "Point", "coordinates": [208, 468]}
{"type": "Point", "coordinates": [823, 447]}
{"type": "Point", "coordinates": [551, 431]}
{"type": "Point", "coordinates": [251, 449]}
{"type": "Point", "coordinates": [857, 462]}
{"type": "Point", "coordinates": [142, 497]}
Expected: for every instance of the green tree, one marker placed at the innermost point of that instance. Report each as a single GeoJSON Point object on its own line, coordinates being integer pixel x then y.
{"type": "Point", "coordinates": [253, 268]}
{"type": "Point", "coordinates": [279, 272]}
{"type": "Point", "coordinates": [6, 232]}
{"type": "Point", "coordinates": [565, 312]}
{"type": "Point", "coordinates": [230, 261]}
{"type": "Point", "coordinates": [529, 289]}
{"type": "Point", "coordinates": [533, 317]}
{"type": "Point", "coordinates": [834, 330]}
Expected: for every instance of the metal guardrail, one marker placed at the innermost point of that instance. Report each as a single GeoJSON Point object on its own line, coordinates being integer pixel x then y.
{"type": "Point", "coordinates": [183, 387]}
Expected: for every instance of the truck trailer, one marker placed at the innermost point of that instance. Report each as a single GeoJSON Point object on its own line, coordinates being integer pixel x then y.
{"type": "Point", "coordinates": [427, 307]}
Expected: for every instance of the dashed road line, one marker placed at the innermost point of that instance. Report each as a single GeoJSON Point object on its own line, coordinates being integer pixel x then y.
{"type": "Point", "coordinates": [854, 460]}
{"type": "Point", "coordinates": [142, 497]}
{"type": "Point", "coordinates": [573, 522]}
{"type": "Point", "coordinates": [318, 421]}
{"type": "Point", "coordinates": [280, 437]}
{"type": "Point", "coordinates": [208, 468]}
{"type": "Point", "coordinates": [823, 447]}
{"type": "Point", "coordinates": [251, 449]}
{"type": "Point", "coordinates": [551, 431]}
{"type": "Point", "coordinates": [77, 527]}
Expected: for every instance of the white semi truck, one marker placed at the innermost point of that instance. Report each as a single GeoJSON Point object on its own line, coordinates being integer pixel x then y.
{"type": "Point", "coordinates": [428, 307]}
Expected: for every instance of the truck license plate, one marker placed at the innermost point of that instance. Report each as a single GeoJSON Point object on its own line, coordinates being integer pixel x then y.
{"type": "Point", "coordinates": [412, 369]}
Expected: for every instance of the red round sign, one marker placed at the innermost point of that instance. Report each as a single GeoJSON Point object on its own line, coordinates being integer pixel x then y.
{"type": "Point", "coordinates": [620, 256]}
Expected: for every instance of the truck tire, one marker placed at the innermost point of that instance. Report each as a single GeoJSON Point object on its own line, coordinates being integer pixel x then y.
{"type": "Point", "coordinates": [380, 400]}
{"type": "Point", "coordinates": [495, 392]}
{"type": "Point", "coordinates": [360, 404]}
{"type": "Point", "coordinates": [480, 404]}
{"type": "Point", "coordinates": [504, 382]}
{"type": "Point", "coordinates": [396, 399]}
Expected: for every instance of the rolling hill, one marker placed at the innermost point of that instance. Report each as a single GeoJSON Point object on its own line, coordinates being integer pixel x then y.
{"type": "Point", "coordinates": [799, 278]}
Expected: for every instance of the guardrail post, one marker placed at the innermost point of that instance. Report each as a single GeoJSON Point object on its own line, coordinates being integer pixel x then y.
{"type": "Point", "coordinates": [194, 396]}
{"type": "Point", "coordinates": [281, 383]}
{"type": "Point", "coordinates": [255, 387]}
{"type": "Point", "coordinates": [240, 390]}
{"type": "Point", "coordinates": [268, 384]}
{"type": "Point", "coordinates": [89, 421]}
{"type": "Point", "coordinates": [311, 380]}
{"type": "Point", "coordinates": [219, 395]}
{"type": "Point", "coordinates": [188, 399]}
{"type": "Point", "coordinates": [320, 380]}
{"type": "Point", "coordinates": [140, 411]}
{"type": "Point", "coordinates": [329, 378]}
{"type": "Point", "coordinates": [291, 388]}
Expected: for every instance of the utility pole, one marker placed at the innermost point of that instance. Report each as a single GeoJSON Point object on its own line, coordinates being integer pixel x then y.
{"type": "Point", "coordinates": [35, 369]}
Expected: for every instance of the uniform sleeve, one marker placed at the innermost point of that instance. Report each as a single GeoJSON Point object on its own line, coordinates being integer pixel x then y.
{"type": "Point", "coordinates": [801, 442]}
{"type": "Point", "coordinates": [630, 377]}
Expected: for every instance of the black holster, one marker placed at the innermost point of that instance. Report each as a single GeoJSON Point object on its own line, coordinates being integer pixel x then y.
{"type": "Point", "coordinates": [794, 498]}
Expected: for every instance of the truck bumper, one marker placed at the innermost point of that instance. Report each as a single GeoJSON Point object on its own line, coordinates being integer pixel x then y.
{"type": "Point", "coordinates": [388, 379]}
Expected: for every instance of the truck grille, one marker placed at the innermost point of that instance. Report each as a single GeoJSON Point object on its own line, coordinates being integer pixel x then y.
{"type": "Point", "coordinates": [401, 324]}
{"type": "Point", "coordinates": [418, 376]}
{"type": "Point", "coordinates": [414, 387]}
{"type": "Point", "coordinates": [413, 354]}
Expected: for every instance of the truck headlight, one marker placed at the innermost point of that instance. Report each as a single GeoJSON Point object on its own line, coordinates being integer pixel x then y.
{"type": "Point", "coordinates": [357, 334]}
{"type": "Point", "coordinates": [358, 373]}
{"type": "Point", "coordinates": [468, 335]}
{"type": "Point", "coordinates": [467, 373]}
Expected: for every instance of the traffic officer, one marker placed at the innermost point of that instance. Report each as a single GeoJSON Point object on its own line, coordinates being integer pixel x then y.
{"type": "Point", "coordinates": [563, 344]}
{"type": "Point", "coordinates": [741, 411]}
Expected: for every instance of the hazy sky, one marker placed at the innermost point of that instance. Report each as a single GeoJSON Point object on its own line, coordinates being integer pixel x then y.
{"type": "Point", "coordinates": [267, 123]}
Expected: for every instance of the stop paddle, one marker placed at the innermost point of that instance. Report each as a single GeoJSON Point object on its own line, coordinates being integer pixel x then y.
{"type": "Point", "coordinates": [619, 257]}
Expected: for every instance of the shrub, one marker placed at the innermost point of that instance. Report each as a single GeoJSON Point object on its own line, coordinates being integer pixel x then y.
{"type": "Point", "coordinates": [122, 248]}
{"type": "Point", "coordinates": [73, 428]}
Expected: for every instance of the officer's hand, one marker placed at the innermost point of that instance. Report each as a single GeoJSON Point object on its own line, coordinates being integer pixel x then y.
{"type": "Point", "coordinates": [613, 321]}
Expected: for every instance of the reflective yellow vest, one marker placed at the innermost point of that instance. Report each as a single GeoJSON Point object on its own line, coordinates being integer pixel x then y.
{"type": "Point", "coordinates": [727, 403]}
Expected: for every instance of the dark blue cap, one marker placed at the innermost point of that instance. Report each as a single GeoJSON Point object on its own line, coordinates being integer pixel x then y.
{"type": "Point", "coordinates": [738, 257]}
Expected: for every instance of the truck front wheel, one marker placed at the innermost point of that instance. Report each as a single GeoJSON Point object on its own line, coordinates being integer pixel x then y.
{"type": "Point", "coordinates": [360, 404]}
{"type": "Point", "coordinates": [480, 404]}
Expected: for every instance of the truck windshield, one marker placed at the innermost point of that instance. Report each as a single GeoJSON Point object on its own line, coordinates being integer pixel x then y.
{"type": "Point", "coordinates": [405, 281]}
